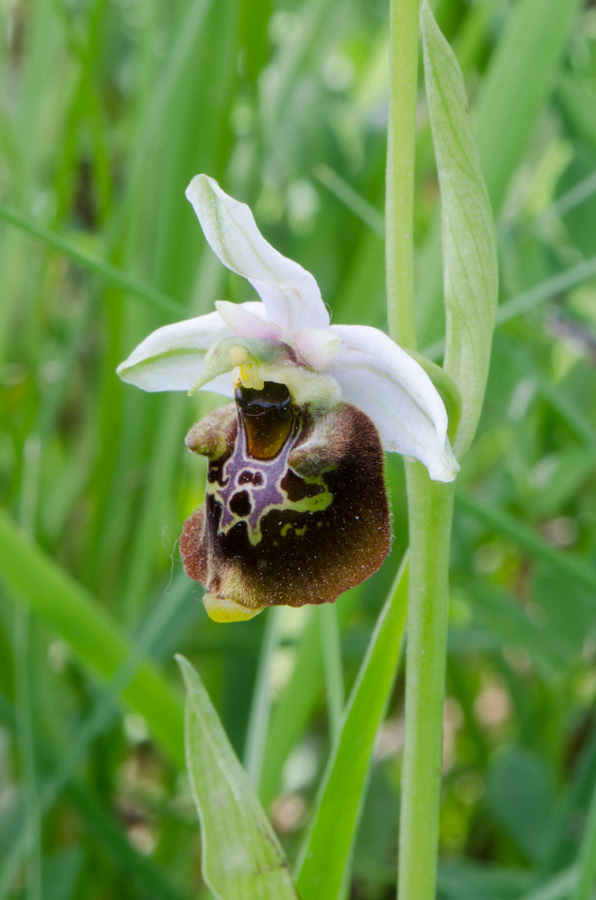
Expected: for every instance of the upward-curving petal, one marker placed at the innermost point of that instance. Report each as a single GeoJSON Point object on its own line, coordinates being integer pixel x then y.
{"type": "Point", "coordinates": [290, 293]}
{"type": "Point", "coordinates": [396, 393]}
{"type": "Point", "coordinates": [172, 357]}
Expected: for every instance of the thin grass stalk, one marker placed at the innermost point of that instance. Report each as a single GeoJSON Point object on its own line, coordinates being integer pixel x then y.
{"type": "Point", "coordinates": [334, 682]}
{"type": "Point", "coordinates": [24, 694]}
{"type": "Point", "coordinates": [584, 889]}
{"type": "Point", "coordinates": [430, 505]}
{"type": "Point", "coordinates": [401, 150]}
{"type": "Point", "coordinates": [260, 712]}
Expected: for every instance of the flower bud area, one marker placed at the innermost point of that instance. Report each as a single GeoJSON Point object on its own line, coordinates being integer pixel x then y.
{"type": "Point", "coordinates": [296, 509]}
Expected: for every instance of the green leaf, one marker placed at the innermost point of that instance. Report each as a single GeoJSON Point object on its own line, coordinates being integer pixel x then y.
{"type": "Point", "coordinates": [521, 797]}
{"type": "Point", "coordinates": [556, 888]}
{"type": "Point", "coordinates": [111, 274]}
{"type": "Point", "coordinates": [516, 85]}
{"type": "Point", "coordinates": [294, 708]}
{"type": "Point", "coordinates": [324, 860]}
{"type": "Point", "coordinates": [568, 565]}
{"type": "Point", "coordinates": [461, 880]}
{"type": "Point", "coordinates": [587, 856]}
{"type": "Point", "coordinates": [101, 645]}
{"type": "Point", "coordinates": [510, 98]}
{"type": "Point", "coordinates": [242, 859]}
{"type": "Point", "coordinates": [469, 240]}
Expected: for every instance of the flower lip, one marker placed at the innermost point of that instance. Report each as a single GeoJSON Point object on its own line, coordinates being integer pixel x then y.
{"type": "Point", "coordinates": [287, 339]}
{"type": "Point", "coordinates": [299, 525]}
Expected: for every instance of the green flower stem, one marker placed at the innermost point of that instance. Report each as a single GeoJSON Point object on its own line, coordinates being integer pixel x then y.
{"type": "Point", "coordinates": [430, 507]}
{"type": "Point", "coordinates": [401, 146]}
{"type": "Point", "coordinates": [430, 504]}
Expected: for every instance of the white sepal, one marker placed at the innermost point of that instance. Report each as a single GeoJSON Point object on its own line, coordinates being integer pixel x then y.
{"type": "Point", "coordinates": [396, 393]}
{"type": "Point", "coordinates": [316, 346]}
{"type": "Point", "coordinates": [290, 293]}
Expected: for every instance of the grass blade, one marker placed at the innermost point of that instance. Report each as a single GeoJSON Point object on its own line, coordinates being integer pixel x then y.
{"type": "Point", "coordinates": [513, 92]}
{"type": "Point", "coordinates": [587, 857]}
{"type": "Point", "coordinates": [516, 86]}
{"type": "Point", "coordinates": [524, 536]}
{"type": "Point", "coordinates": [324, 861]}
{"type": "Point", "coordinates": [242, 859]}
{"type": "Point", "coordinates": [334, 679]}
{"type": "Point", "coordinates": [105, 270]}
{"type": "Point", "coordinates": [256, 736]}
{"type": "Point", "coordinates": [557, 888]}
{"type": "Point", "coordinates": [93, 635]}
{"type": "Point", "coordinates": [294, 708]}
{"type": "Point", "coordinates": [352, 200]}
{"type": "Point", "coordinates": [530, 299]}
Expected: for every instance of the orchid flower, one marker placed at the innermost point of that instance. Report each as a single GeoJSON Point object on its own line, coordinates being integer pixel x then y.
{"type": "Point", "coordinates": [296, 509]}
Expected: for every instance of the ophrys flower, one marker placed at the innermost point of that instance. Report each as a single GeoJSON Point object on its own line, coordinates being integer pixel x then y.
{"type": "Point", "coordinates": [296, 510]}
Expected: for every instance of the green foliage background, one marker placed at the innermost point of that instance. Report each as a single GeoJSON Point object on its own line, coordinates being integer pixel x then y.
{"type": "Point", "coordinates": [108, 109]}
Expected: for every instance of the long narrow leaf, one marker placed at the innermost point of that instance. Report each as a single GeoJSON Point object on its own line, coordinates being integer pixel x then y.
{"type": "Point", "coordinates": [294, 707]}
{"type": "Point", "coordinates": [525, 537]}
{"type": "Point", "coordinates": [516, 85]}
{"type": "Point", "coordinates": [324, 860]}
{"type": "Point", "coordinates": [469, 240]}
{"type": "Point", "coordinates": [94, 636]}
{"type": "Point", "coordinates": [105, 270]}
{"type": "Point", "coordinates": [587, 856]}
{"type": "Point", "coordinates": [242, 859]}
{"type": "Point", "coordinates": [512, 94]}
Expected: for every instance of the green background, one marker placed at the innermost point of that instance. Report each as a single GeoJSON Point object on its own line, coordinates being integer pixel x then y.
{"type": "Point", "coordinates": [108, 110]}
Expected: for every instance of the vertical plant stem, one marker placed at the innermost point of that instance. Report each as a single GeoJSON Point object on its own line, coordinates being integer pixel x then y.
{"type": "Point", "coordinates": [430, 507]}
{"type": "Point", "coordinates": [401, 146]}
{"type": "Point", "coordinates": [430, 504]}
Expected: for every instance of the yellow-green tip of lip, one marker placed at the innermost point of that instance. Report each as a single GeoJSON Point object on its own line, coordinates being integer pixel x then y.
{"type": "Point", "coordinates": [227, 611]}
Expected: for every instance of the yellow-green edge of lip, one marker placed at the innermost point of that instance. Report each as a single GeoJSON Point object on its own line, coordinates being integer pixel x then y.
{"type": "Point", "coordinates": [227, 610]}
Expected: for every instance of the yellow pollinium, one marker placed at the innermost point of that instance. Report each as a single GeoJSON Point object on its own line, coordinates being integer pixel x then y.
{"type": "Point", "coordinates": [246, 371]}
{"type": "Point", "coordinates": [251, 377]}
{"type": "Point", "coordinates": [227, 610]}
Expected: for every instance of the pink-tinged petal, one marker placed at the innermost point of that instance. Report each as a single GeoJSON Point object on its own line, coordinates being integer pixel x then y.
{"type": "Point", "coordinates": [290, 293]}
{"type": "Point", "coordinates": [243, 320]}
{"type": "Point", "coordinates": [171, 358]}
{"type": "Point", "coordinates": [396, 393]}
{"type": "Point", "coordinates": [316, 346]}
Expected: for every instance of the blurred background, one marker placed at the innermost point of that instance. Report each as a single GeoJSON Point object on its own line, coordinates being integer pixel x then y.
{"type": "Point", "coordinates": [108, 108]}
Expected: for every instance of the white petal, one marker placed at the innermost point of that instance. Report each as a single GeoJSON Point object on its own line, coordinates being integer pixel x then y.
{"type": "Point", "coordinates": [172, 357]}
{"type": "Point", "coordinates": [221, 385]}
{"type": "Point", "coordinates": [396, 393]}
{"type": "Point", "coordinates": [290, 293]}
{"type": "Point", "coordinates": [242, 321]}
{"type": "Point", "coordinates": [316, 346]}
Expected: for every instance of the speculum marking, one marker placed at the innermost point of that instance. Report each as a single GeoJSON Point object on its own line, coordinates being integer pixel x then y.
{"type": "Point", "coordinates": [247, 487]}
